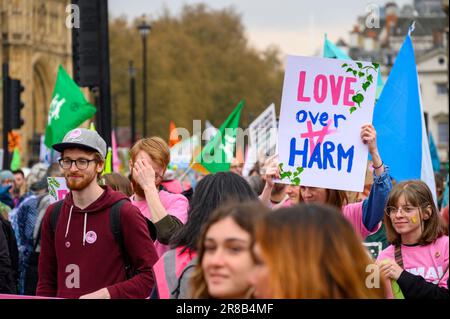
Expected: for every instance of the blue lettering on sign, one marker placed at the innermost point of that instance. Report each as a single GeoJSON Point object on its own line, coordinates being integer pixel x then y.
{"type": "Point", "coordinates": [322, 118]}
{"type": "Point", "coordinates": [323, 156]}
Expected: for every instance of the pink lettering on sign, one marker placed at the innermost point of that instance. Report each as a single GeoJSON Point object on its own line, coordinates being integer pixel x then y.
{"type": "Point", "coordinates": [319, 134]}
{"type": "Point", "coordinates": [325, 84]}
{"type": "Point", "coordinates": [320, 82]}
{"type": "Point", "coordinates": [335, 88]}
{"type": "Point", "coordinates": [62, 193]}
{"type": "Point", "coordinates": [348, 91]}
{"type": "Point", "coordinates": [301, 88]}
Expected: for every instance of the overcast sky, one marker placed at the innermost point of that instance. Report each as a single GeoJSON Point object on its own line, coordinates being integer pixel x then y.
{"type": "Point", "coordinates": [296, 26]}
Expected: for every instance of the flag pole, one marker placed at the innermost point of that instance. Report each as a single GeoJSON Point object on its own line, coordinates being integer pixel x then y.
{"type": "Point", "coordinates": [186, 172]}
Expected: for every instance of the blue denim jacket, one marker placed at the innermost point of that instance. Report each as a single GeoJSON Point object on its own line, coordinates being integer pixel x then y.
{"type": "Point", "coordinates": [373, 206]}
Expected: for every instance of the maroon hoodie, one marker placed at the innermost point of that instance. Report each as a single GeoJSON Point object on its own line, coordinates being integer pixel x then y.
{"type": "Point", "coordinates": [71, 265]}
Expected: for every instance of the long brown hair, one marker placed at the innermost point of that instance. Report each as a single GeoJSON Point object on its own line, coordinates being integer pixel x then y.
{"type": "Point", "coordinates": [243, 214]}
{"type": "Point", "coordinates": [118, 183]}
{"type": "Point", "coordinates": [417, 194]}
{"type": "Point", "coordinates": [335, 198]}
{"type": "Point", "coordinates": [312, 251]}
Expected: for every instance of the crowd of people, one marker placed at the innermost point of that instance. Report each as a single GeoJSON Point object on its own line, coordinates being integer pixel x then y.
{"type": "Point", "coordinates": [230, 236]}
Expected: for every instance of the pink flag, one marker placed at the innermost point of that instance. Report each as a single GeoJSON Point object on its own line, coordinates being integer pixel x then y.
{"type": "Point", "coordinates": [115, 153]}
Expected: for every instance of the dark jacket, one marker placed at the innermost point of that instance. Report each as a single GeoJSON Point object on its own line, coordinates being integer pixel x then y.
{"type": "Point", "coordinates": [8, 273]}
{"type": "Point", "coordinates": [416, 287]}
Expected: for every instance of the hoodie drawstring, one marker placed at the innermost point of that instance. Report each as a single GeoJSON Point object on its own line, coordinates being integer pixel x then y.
{"type": "Point", "coordinates": [68, 225]}
{"type": "Point", "coordinates": [84, 228]}
{"type": "Point", "coordinates": [68, 221]}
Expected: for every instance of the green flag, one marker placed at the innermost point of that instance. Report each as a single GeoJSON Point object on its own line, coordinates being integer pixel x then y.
{"type": "Point", "coordinates": [68, 109]}
{"type": "Point", "coordinates": [15, 162]}
{"type": "Point", "coordinates": [108, 163]}
{"type": "Point", "coordinates": [396, 290]}
{"type": "Point", "coordinates": [217, 155]}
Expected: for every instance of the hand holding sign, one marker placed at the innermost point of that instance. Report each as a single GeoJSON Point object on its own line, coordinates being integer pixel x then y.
{"type": "Point", "coordinates": [369, 137]}
{"type": "Point", "coordinates": [272, 170]}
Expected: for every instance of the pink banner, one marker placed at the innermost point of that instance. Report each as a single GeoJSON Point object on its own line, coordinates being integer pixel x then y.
{"type": "Point", "coordinates": [5, 296]}
{"type": "Point", "coordinates": [115, 153]}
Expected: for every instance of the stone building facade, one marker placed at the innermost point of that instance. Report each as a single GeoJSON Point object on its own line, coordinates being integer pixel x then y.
{"type": "Point", "coordinates": [34, 42]}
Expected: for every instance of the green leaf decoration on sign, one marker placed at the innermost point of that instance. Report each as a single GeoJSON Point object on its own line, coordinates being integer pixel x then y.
{"type": "Point", "coordinates": [358, 98]}
{"type": "Point", "coordinates": [52, 181]}
{"type": "Point", "coordinates": [53, 184]}
{"type": "Point", "coordinates": [365, 85]}
{"type": "Point", "coordinates": [366, 79]}
{"type": "Point", "coordinates": [292, 176]}
{"type": "Point", "coordinates": [52, 193]}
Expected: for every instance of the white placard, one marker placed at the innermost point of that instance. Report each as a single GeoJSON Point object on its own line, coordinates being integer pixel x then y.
{"type": "Point", "coordinates": [57, 188]}
{"type": "Point", "coordinates": [263, 132]}
{"type": "Point", "coordinates": [325, 103]}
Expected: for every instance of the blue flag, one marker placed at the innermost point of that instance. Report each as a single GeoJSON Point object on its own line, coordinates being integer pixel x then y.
{"type": "Point", "coordinates": [434, 154]}
{"type": "Point", "coordinates": [445, 196]}
{"type": "Point", "coordinates": [330, 50]}
{"type": "Point", "coordinates": [400, 123]}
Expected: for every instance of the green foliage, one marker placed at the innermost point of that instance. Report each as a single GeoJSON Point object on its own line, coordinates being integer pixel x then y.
{"type": "Point", "coordinates": [199, 66]}
{"type": "Point", "coordinates": [365, 85]}
{"type": "Point", "coordinates": [294, 177]}
{"type": "Point", "coordinates": [53, 184]}
{"type": "Point", "coordinates": [362, 72]}
{"type": "Point", "coordinates": [358, 99]}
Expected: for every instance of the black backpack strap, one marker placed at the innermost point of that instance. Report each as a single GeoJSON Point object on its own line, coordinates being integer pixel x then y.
{"type": "Point", "coordinates": [116, 229]}
{"type": "Point", "coordinates": [56, 211]}
{"type": "Point", "coordinates": [38, 237]}
{"type": "Point", "coordinates": [398, 255]}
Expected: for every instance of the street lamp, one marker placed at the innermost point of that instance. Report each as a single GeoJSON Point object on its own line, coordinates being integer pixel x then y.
{"type": "Point", "coordinates": [144, 29]}
{"type": "Point", "coordinates": [132, 74]}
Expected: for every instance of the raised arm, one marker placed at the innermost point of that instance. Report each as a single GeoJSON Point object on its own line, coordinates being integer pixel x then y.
{"type": "Point", "coordinates": [373, 206]}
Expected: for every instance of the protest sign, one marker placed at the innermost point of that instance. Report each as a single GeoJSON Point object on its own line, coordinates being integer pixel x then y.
{"type": "Point", "coordinates": [57, 188]}
{"type": "Point", "coordinates": [262, 132]}
{"type": "Point", "coordinates": [325, 103]}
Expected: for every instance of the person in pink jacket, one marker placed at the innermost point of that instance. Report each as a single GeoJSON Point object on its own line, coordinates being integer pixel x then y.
{"type": "Point", "coordinates": [364, 216]}
{"type": "Point", "coordinates": [418, 255]}
{"type": "Point", "coordinates": [149, 158]}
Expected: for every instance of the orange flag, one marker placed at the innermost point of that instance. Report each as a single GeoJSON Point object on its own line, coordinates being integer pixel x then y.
{"type": "Point", "coordinates": [173, 134]}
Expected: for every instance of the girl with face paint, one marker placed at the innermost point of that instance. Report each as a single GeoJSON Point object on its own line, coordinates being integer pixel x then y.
{"type": "Point", "coordinates": [418, 255]}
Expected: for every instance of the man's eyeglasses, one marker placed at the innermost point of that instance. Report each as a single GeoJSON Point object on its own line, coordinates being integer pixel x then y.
{"type": "Point", "coordinates": [80, 163]}
{"type": "Point", "coordinates": [404, 210]}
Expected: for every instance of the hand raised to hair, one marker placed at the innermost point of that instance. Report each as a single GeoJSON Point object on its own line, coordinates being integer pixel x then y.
{"type": "Point", "coordinates": [144, 174]}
